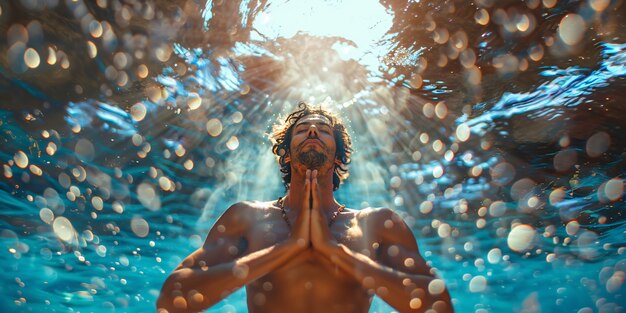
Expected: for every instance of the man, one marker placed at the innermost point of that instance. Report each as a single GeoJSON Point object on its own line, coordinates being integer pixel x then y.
{"type": "Point", "coordinates": [304, 252]}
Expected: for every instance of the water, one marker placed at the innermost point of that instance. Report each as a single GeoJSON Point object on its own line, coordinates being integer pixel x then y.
{"type": "Point", "coordinates": [495, 129]}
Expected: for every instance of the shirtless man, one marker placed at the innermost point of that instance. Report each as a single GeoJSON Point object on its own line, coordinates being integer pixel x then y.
{"type": "Point", "coordinates": [305, 252]}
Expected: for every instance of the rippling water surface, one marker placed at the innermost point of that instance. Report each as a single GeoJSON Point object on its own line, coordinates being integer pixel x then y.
{"type": "Point", "coordinates": [496, 128]}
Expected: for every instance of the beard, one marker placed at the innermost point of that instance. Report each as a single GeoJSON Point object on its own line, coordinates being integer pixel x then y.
{"type": "Point", "coordinates": [311, 159]}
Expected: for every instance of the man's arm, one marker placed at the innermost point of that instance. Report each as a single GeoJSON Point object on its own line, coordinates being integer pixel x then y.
{"type": "Point", "coordinates": [401, 277]}
{"type": "Point", "coordinates": [222, 265]}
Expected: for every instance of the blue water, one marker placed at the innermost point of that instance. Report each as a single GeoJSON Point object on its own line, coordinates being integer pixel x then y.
{"type": "Point", "coordinates": [512, 181]}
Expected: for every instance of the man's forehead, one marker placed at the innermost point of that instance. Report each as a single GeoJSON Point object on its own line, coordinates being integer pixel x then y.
{"type": "Point", "coordinates": [314, 118]}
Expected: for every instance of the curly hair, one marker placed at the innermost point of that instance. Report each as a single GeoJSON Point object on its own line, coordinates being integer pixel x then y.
{"type": "Point", "coordinates": [282, 134]}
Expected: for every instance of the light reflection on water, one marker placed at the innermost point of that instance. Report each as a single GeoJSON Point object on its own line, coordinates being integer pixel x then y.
{"type": "Point", "coordinates": [496, 135]}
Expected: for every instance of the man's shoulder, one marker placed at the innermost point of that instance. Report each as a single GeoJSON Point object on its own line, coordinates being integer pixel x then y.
{"type": "Point", "coordinates": [248, 208]}
{"type": "Point", "coordinates": [375, 214]}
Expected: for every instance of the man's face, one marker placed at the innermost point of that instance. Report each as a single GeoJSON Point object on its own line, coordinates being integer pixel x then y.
{"type": "Point", "coordinates": [313, 142]}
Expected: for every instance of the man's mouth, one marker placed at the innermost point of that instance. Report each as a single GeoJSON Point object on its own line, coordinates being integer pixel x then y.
{"type": "Point", "coordinates": [313, 142]}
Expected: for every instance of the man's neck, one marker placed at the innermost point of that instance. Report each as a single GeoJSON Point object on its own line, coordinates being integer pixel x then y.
{"type": "Point", "coordinates": [295, 196]}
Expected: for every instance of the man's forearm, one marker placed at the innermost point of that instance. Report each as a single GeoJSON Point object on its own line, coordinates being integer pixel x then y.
{"type": "Point", "coordinates": [197, 288]}
{"type": "Point", "coordinates": [403, 291]}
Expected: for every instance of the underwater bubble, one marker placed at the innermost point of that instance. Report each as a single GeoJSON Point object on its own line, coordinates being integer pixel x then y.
{"type": "Point", "coordinates": [597, 144]}
{"type": "Point", "coordinates": [95, 29]}
{"type": "Point", "coordinates": [557, 195]}
{"type": "Point", "coordinates": [426, 207]}
{"type": "Point", "coordinates": [424, 138]}
{"type": "Point", "coordinates": [521, 188]}
{"type": "Point", "coordinates": [572, 227]}
{"type": "Point", "coordinates": [476, 170]}
{"type": "Point", "coordinates": [97, 203]}
{"type": "Point", "coordinates": [21, 159]}
{"type": "Point", "coordinates": [571, 29]}
{"type": "Point", "coordinates": [138, 111]}
{"type": "Point", "coordinates": [523, 24]}
{"type": "Point", "coordinates": [494, 256]}
{"type": "Point", "coordinates": [415, 81]}
{"type": "Point", "coordinates": [497, 208]}
{"type": "Point", "coordinates": [521, 237]}
{"type": "Point", "coordinates": [35, 169]}
{"type": "Point", "coordinates": [148, 196]}
{"type": "Point", "coordinates": [63, 229]}
{"type": "Point", "coordinates": [237, 117]}
{"type": "Point", "coordinates": [232, 143]}
{"type": "Point", "coordinates": [549, 3]}
{"type": "Point", "coordinates": [614, 189]}
{"type": "Point", "coordinates": [428, 110]}
{"type": "Point", "coordinates": [415, 303]}
{"type": "Point", "coordinates": [503, 173]}
{"type": "Point", "coordinates": [194, 101]}
{"type": "Point", "coordinates": [163, 53]}
{"type": "Point", "coordinates": [52, 56]}
{"type": "Point", "coordinates": [17, 33]}
{"type": "Point", "coordinates": [565, 159]}
{"type": "Point", "coordinates": [214, 127]}
{"type": "Point", "coordinates": [31, 58]}
{"type": "Point", "coordinates": [437, 145]}
{"type": "Point", "coordinates": [441, 35]}
{"type": "Point", "coordinates": [51, 148]}
{"type": "Point", "coordinates": [478, 284]}
{"type": "Point", "coordinates": [117, 207]}
{"type": "Point", "coordinates": [437, 171]}
{"type": "Point", "coordinates": [615, 282]}
{"type": "Point", "coordinates": [165, 183]}
{"type": "Point", "coordinates": [599, 5]}
{"type": "Point", "coordinates": [85, 150]}
{"type": "Point", "coordinates": [436, 286]}
{"type": "Point", "coordinates": [92, 50]}
{"type": "Point", "coordinates": [462, 132]}
{"type": "Point", "coordinates": [120, 60]}
{"type": "Point", "coordinates": [441, 110]}
{"type": "Point", "coordinates": [443, 231]}
{"type": "Point", "coordinates": [481, 17]}
{"type": "Point", "coordinates": [188, 165]}
{"type": "Point", "coordinates": [46, 215]}
{"type": "Point", "coordinates": [535, 52]}
{"type": "Point", "coordinates": [140, 226]}
{"type": "Point", "coordinates": [142, 71]}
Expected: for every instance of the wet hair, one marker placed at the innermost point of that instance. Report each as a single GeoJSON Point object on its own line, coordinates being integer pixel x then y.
{"type": "Point", "coordinates": [282, 134]}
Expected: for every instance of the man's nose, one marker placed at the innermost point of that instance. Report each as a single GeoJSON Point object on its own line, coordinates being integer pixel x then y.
{"type": "Point", "coordinates": [313, 132]}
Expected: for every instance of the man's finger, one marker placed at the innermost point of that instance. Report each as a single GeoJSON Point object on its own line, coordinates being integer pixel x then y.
{"type": "Point", "coordinates": [307, 190]}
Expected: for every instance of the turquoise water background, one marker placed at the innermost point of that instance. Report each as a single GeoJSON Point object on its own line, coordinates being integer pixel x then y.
{"type": "Point", "coordinates": [496, 129]}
